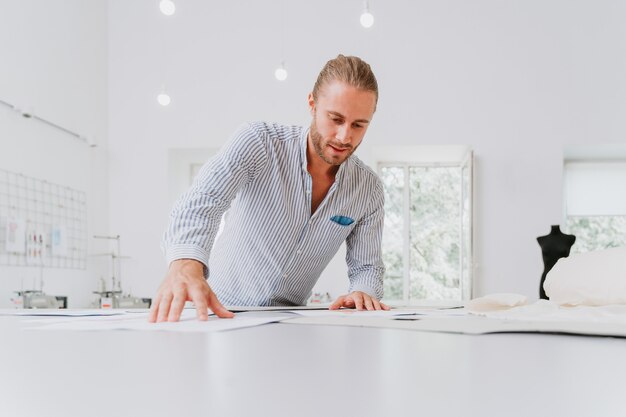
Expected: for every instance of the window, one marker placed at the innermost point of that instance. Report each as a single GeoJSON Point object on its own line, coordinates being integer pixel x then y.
{"type": "Point", "coordinates": [183, 166]}
{"type": "Point", "coordinates": [427, 236]}
{"type": "Point", "coordinates": [595, 203]}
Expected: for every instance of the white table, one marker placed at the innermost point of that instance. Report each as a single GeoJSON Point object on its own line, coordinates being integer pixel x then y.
{"type": "Point", "coordinates": [298, 370]}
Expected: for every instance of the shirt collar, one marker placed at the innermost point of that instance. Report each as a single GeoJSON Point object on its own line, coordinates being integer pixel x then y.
{"type": "Point", "coordinates": [303, 143]}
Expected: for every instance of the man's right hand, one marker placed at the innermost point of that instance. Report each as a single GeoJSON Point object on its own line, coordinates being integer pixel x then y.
{"type": "Point", "coordinates": [185, 282]}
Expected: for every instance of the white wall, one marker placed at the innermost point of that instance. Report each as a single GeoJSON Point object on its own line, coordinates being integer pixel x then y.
{"type": "Point", "coordinates": [515, 80]}
{"type": "Point", "coordinates": [53, 61]}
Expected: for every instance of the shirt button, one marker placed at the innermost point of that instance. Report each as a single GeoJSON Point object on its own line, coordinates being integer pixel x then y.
{"type": "Point", "coordinates": [299, 252]}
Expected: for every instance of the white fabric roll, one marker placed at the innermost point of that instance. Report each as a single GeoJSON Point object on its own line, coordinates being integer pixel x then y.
{"type": "Point", "coordinates": [593, 278]}
{"type": "Point", "coordinates": [495, 302]}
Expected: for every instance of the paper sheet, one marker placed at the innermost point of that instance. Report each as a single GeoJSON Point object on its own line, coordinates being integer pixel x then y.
{"type": "Point", "coordinates": [15, 235]}
{"type": "Point", "coordinates": [345, 312]}
{"type": "Point", "coordinates": [139, 322]}
{"type": "Point", "coordinates": [236, 309]}
{"type": "Point", "coordinates": [60, 313]}
{"type": "Point", "coordinates": [471, 325]}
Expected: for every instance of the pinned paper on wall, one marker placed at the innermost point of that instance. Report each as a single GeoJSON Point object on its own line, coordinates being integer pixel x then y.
{"type": "Point", "coordinates": [16, 235]}
{"type": "Point", "coordinates": [58, 240]}
{"type": "Point", "coordinates": [35, 247]}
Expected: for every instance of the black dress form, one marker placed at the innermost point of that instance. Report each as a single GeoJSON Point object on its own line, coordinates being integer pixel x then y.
{"type": "Point", "coordinates": [554, 246]}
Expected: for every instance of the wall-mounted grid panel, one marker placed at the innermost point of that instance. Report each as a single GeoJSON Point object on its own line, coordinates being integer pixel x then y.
{"type": "Point", "coordinates": [51, 217]}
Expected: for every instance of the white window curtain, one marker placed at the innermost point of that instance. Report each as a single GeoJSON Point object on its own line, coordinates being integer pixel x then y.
{"type": "Point", "coordinates": [595, 188]}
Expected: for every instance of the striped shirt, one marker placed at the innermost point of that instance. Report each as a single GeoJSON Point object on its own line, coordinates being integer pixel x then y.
{"type": "Point", "coordinates": [272, 250]}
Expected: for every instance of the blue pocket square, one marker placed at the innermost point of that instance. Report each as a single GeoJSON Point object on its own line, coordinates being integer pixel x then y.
{"type": "Point", "coordinates": [342, 220]}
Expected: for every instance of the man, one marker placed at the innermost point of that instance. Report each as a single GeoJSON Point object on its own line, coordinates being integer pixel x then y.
{"type": "Point", "coordinates": [293, 195]}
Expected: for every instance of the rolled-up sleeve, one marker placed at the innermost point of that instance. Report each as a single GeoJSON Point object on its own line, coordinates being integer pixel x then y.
{"type": "Point", "coordinates": [363, 249]}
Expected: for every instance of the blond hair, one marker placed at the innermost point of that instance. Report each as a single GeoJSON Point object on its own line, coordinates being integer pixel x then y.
{"type": "Point", "coordinates": [351, 70]}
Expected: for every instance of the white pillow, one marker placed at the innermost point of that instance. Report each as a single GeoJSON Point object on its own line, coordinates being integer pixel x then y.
{"type": "Point", "coordinates": [593, 278]}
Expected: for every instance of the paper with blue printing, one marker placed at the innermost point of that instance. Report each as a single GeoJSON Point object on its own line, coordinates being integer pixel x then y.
{"type": "Point", "coordinates": [342, 220]}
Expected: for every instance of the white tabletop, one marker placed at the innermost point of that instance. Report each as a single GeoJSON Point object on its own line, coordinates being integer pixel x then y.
{"type": "Point", "coordinates": [303, 370]}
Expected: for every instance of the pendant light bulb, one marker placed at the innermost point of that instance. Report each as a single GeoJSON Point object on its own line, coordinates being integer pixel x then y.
{"type": "Point", "coordinates": [367, 18]}
{"type": "Point", "coordinates": [164, 99]}
{"type": "Point", "coordinates": [281, 72]}
{"type": "Point", "coordinates": [167, 7]}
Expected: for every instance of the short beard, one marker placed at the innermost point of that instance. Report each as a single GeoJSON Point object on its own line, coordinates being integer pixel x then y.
{"type": "Point", "coordinates": [316, 139]}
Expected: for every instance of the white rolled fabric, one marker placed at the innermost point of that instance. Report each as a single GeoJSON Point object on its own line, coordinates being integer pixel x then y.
{"type": "Point", "coordinates": [594, 278]}
{"type": "Point", "coordinates": [495, 302]}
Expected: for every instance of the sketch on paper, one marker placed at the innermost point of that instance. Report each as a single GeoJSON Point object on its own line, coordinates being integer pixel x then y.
{"type": "Point", "coordinates": [16, 235]}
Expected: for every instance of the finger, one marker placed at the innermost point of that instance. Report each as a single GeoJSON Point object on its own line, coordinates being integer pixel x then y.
{"type": "Point", "coordinates": [201, 305]}
{"type": "Point", "coordinates": [154, 309]}
{"type": "Point", "coordinates": [338, 303]}
{"type": "Point", "coordinates": [376, 304]}
{"type": "Point", "coordinates": [164, 307]}
{"type": "Point", "coordinates": [368, 302]}
{"type": "Point", "coordinates": [178, 303]}
{"type": "Point", "coordinates": [348, 302]}
{"type": "Point", "coordinates": [385, 306]}
{"type": "Point", "coordinates": [358, 300]}
{"type": "Point", "coordinates": [218, 308]}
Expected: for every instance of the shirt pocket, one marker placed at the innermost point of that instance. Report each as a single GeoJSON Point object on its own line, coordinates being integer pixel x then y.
{"type": "Point", "coordinates": [342, 220]}
{"type": "Point", "coordinates": [338, 227]}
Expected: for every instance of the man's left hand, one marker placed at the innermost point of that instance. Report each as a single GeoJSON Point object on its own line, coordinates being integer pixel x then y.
{"type": "Point", "coordinates": [358, 300]}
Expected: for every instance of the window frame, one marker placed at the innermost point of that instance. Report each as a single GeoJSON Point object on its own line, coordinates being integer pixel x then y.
{"type": "Point", "coordinates": [466, 250]}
